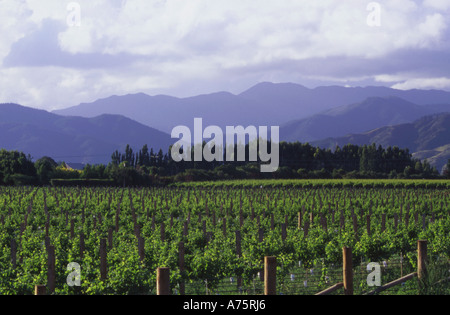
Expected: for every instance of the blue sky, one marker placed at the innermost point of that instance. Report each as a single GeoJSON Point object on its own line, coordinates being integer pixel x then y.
{"type": "Point", "coordinates": [56, 54]}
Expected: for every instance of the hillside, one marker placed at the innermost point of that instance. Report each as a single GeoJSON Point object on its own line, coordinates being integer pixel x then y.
{"type": "Point", "coordinates": [266, 104]}
{"type": "Point", "coordinates": [372, 113]}
{"type": "Point", "coordinates": [427, 137]}
{"type": "Point", "coordinates": [73, 139]}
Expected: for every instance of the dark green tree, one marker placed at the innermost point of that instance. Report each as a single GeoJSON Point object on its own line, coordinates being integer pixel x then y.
{"type": "Point", "coordinates": [447, 170]}
{"type": "Point", "coordinates": [45, 167]}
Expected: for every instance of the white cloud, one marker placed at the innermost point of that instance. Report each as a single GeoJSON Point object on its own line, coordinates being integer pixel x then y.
{"type": "Point", "coordinates": [263, 29]}
{"type": "Point", "coordinates": [175, 44]}
{"type": "Point", "coordinates": [437, 4]}
{"type": "Point", "coordinates": [14, 24]}
{"type": "Point", "coordinates": [424, 83]}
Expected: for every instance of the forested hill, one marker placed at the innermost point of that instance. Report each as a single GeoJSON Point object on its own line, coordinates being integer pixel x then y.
{"type": "Point", "coordinates": [428, 137]}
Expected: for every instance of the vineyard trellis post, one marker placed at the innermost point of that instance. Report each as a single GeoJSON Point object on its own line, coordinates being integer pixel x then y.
{"type": "Point", "coordinates": [51, 272]}
{"type": "Point", "coordinates": [14, 253]}
{"type": "Point", "coordinates": [141, 248]}
{"type": "Point", "coordinates": [103, 264]}
{"type": "Point", "coordinates": [270, 275]}
{"type": "Point", "coordinates": [40, 290]}
{"type": "Point", "coordinates": [347, 270]}
{"type": "Point", "coordinates": [82, 245]}
{"type": "Point", "coordinates": [422, 261]}
{"type": "Point", "coordinates": [163, 281]}
{"type": "Point", "coordinates": [181, 249]}
{"type": "Point", "coordinates": [239, 253]}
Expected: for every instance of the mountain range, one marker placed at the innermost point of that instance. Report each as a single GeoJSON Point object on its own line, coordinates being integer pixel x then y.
{"type": "Point", "coordinates": [265, 104]}
{"type": "Point", "coordinates": [73, 139]}
{"type": "Point", "coordinates": [372, 113]}
{"type": "Point", "coordinates": [325, 116]}
{"type": "Point", "coordinates": [427, 138]}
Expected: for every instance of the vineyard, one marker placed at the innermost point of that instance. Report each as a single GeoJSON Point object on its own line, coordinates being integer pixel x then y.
{"type": "Point", "coordinates": [214, 236]}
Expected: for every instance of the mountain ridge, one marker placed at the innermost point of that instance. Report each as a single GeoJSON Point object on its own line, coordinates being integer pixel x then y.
{"type": "Point", "coordinates": [76, 139]}
{"type": "Point", "coordinates": [374, 112]}
{"type": "Point", "coordinates": [427, 137]}
{"type": "Point", "coordinates": [265, 104]}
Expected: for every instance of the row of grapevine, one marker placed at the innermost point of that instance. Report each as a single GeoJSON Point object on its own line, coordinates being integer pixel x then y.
{"type": "Point", "coordinates": [120, 236]}
{"type": "Point", "coordinates": [331, 183]}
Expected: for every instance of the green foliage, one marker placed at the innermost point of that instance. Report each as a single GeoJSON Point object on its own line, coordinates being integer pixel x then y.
{"type": "Point", "coordinates": [16, 168]}
{"type": "Point", "coordinates": [255, 208]}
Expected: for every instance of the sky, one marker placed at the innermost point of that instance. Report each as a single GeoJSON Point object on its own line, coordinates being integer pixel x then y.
{"type": "Point", "coordinates": [56, 54]}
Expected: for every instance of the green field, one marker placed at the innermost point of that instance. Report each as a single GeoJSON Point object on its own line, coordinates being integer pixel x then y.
{"type": "Point", "coordinates": [304, 223]}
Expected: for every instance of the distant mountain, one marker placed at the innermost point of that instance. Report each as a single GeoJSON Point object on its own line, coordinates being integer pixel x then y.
{"type": "Point", "coordinates": [372, 113]}
{"type": "Point", "coordinates": [73, 139]}
{"type": "Point", "coordinates": [427, 138]}
{"type": "Point", "coordinates": [266, 104]}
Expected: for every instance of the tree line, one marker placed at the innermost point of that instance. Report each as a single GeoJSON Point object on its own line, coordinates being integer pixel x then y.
{"type": "Point", "coordinates": [148, 167]}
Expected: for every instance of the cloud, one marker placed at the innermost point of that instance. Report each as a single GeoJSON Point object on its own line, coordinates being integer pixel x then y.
{"type": "Point", "coordinates": [184, 47]}
{"type": "Point", "coordinates": [424, 84]}
{"type": "Point", "coordinates": [437, 4]}
{"type": "Point", "coordinates": [41, 48]}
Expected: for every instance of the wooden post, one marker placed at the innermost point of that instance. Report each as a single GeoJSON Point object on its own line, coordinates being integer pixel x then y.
{"type": "Point", "coordinates": [51, 272]}
{"type": "Point", "coordinates": [163, 281]}
{"type": "Point", "coordinates": [40, 290]}
{"type": "Point", "coordinates": [117, 220]}
{"type": "Point", "coordinates": [72, 228]}
{"type": "Point", "coordinates": [14, 253]}
{"type": "Point", "coordinates": [306, 229]}
{"type": "Point", "coordinates": [47, 242]}
{"type": "Point", "coordinates": [261, 235]}
{"type": "Point", "coordinates": [347, 270]}
{"type": "Point", "coordinates": [181, 266]}
{"type": "Point", "coordinates": [393, 283]}
{"type": "Point", "coordinates": [239, 254]}
{"type": "Point", "coordinates": [283, 232]}
{"type": "Point", "coordinates": [299, 220]}
{"type": "Point", "coordinates": [163, 231]}
{"type": "Point", "coordinates": [110, 238]}
{"type": "Point", "coordinates": [355, 224]}
{"type": "Point", "coordinates": [103, 265]}
{"type": "Point", "coordinates": [331, 289]}
{"type": "Point", "coordinates": [141, 248]}
{"type": "Point", "coordinates": [224, 227]}
{"type": "Point", "coordinates": [82, 245]}
{"type": "Point", "coordinates": [185, 228]}
{"type": "Point", "coordinates": [238, 244]}
{"type": "Point", "coordinates": [270, 275]}
{"type": "Point", "coordinates": [422, 259]}
{"type": "Point", "coordinates": [383, 222]}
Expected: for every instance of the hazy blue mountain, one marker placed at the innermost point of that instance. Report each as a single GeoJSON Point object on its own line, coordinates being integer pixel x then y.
{"type": "Point", "coordinates": [73, 139]}
{"type": "Point", "coordinates": [165, 112]}
{"type": "Point", "coordinates": [372, 113]}
{"type": "Point", "coordinates": [427, 137]}
{"type": "Point", "coordinates": [266, 104]}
